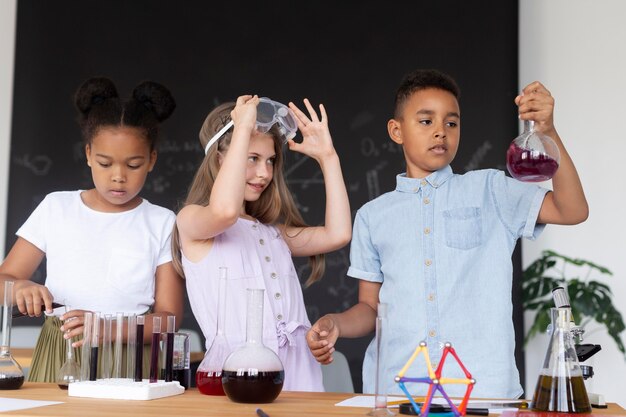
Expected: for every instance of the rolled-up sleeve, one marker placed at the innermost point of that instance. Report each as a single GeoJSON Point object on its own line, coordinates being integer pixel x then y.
{"type": "Point", "coordinates": [364, 258]}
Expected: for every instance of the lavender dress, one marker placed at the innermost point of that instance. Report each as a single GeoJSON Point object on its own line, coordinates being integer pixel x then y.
{"type": "Point", "coordinates": [256, 257]}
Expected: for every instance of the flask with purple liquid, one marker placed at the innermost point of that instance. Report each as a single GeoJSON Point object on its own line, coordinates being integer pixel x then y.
{"type": "Point", "coordinates": [532, 156]}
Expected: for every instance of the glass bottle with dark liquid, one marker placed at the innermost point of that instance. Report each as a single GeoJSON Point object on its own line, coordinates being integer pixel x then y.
{"type": "Point", "coordinates": [253, 373]}
{"type": "Point", "coordinates": [532, 156]}
{"type": "Point", "coordinates": [560, 387]}
{"type": "Point", "coordinates": [11, 375]}
{"type": "Point", "coordinates": [209, 373]}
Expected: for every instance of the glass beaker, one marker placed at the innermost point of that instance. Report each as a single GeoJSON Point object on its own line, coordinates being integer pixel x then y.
{"type": "Point", "coordinates": [532, 156]}
{"type": "Point", "coordinates": [560, 387]}
{"type": "Point", "coordinates": [11, 374]}
{"type": "Point", "coordinates": [209, 373]}
{"type": "Point", "coordinates": [181, 360]}
{"type": "Point", "coordinates": [70, 370]}
{"type": "Point", "coordinates": [253, 373]}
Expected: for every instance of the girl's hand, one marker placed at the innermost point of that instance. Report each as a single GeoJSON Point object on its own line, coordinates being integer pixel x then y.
{"type": "Point", "coordinates": [316, 140]}
{"type": "Point", "coordinates": [244, 113]}
{"type": "Point", "coordinates": [537, 104]}
{"type": "Point", "coordinates": [73, 325]}
{"type": "Point", "coordinates": [30, 297]}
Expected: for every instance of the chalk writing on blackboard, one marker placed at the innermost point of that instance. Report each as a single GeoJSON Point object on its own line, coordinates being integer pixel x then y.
{"type": "Point", "coordinates": [38, 164]}
{"type": "Point", "coordinates": [478, 156]}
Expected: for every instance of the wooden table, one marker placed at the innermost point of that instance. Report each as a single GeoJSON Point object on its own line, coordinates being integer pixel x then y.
{"type": "Point", "coordinates": [192, 403]}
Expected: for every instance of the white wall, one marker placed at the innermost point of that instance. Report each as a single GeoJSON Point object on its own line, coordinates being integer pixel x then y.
{"type": "Point", "coordinates": [8, 10]}
{"type": "Point", "coordinates": [575, 47]}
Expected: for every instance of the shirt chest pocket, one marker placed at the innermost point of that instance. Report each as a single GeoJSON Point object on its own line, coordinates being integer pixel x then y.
{"type": "Point", "coordinates": [245, 265]}
{"type": "Point", "coordinates": [131, 272]}
{"type": "Point", "coordinates": [463, 227]}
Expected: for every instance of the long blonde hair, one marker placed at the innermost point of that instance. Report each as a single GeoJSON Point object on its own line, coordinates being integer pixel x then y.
{"type": "Point", "coordinates": [275, 205]}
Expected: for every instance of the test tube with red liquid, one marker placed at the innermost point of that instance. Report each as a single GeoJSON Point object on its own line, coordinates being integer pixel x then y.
{"type": "Point", "coordinates": [169, 348]}
{"type": "Point", "coordinates": [154, 352]}
{"type": "Point", "coordinates": [139, 349]}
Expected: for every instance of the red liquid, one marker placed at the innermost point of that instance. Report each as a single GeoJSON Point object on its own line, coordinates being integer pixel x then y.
{"type": "Point", "coordinates": [209, 383]}
{"type": "Point", "coordinates": [154, 357]}
{"type": "Point", "coordinates": [169, 357]}
{"type": "Point", "coordinates": [12, 382]}
{"type": "Point", "coordinates": [93, 364]}
{"type": "Point", "coordinates": [263, 387]}
{"type": "Point", "coordinates": [526, 165]}
{"type": "Point", "coordinates": [63, 386]}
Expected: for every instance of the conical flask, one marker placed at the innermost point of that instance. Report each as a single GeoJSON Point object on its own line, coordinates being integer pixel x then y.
{"type": "Point", "coordinates": [11, 374]}
{"type": "Point", "coordinates": [253, 373]}
{"type": "Point", "coordinates": [532, 156]}
{"type": "Point", "coordinates": [560, 387]}
{"type": "Point", "coordinates": [209, 373]}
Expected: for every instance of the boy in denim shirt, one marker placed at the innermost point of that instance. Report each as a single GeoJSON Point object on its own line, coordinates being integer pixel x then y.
{"type": "Point", "coordinates": [438, 248]}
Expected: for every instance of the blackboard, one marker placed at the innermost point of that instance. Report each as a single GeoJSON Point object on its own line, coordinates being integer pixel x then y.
{"type": "Point", "coordinates": [350, 56]}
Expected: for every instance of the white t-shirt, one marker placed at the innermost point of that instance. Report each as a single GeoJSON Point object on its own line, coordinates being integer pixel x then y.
{"type": "Point", "coordinates": [97, 261]}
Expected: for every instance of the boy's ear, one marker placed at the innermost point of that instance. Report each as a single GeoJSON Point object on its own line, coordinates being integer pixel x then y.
{"type": "Point", "coordinates": [395, 131]}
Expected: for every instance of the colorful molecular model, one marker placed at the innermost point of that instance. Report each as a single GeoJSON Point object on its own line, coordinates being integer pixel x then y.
{"type": "Point", "coordinates": [436, 382]}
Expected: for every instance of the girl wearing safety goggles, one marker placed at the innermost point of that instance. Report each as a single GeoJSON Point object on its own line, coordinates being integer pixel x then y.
{"type": "Point", "coordinates": [240, 214]}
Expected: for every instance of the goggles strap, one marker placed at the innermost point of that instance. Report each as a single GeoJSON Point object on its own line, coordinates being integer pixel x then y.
{"type": "Point", "coordinates": [217, 136]}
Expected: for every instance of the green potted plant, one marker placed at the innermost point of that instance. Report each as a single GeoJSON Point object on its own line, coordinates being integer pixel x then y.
{"type": "Point", "coordinates": [589, 299]}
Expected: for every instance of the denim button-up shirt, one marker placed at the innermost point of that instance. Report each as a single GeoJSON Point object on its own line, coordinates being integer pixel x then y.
{"type": "Point", "coordinates": [441, 247]}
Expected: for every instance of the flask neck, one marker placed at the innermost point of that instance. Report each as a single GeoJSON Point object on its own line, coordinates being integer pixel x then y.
{"type": "Point", "coordinates": [254, 318]}
{"type": "Point", "coordinates": [529, 126]}
{"type": "Point", "coordinates": [7, 310]}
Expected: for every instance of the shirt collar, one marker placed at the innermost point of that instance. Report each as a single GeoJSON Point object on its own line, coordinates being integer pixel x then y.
{"type": "Point", "coordinates": [413, 185]}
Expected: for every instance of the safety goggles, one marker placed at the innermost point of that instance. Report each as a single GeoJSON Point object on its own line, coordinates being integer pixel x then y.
{"type": "Point", "coordinates": [268, 113]}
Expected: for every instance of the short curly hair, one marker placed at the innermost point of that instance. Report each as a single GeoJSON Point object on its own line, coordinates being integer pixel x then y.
{"type": "Point", "coordinates": [422, 79]}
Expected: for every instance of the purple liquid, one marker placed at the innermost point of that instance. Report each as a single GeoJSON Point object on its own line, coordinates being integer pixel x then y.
{"type": "Point", "coordinates": [169, 356]}
{"type": "Point", "coordinates": [139, 354]}
{"type": "Point", "coordinates": [154, 357]}
{"type": "Point", "coordinates": [526, 165]}
{"type": "Point", "coordinates": [183, 376]}
{"type": "Point", "coordinates": [12, 382]}
{"type": "Point", "coordinates": [93, 364]}
{"type": "Point", "coordinates": [263, 387]}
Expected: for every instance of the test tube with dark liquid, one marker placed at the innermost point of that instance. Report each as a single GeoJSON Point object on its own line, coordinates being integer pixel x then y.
{"type": "Point", "coordinates": [169, 348]}
{"type": "Point", "coordinates": [139, 349]}
{"type": "Point", "coordinates": [95, 335]}
{"type": "Point", "coordinates": [154, 349]}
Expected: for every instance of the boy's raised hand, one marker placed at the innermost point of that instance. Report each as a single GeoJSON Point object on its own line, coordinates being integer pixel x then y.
{"type": "Point", "coordinates": [316, 140]}
{"type": "Point", "coordinates": [321, 339]}
{"type": "Point", "coordinates": [537, 104]}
